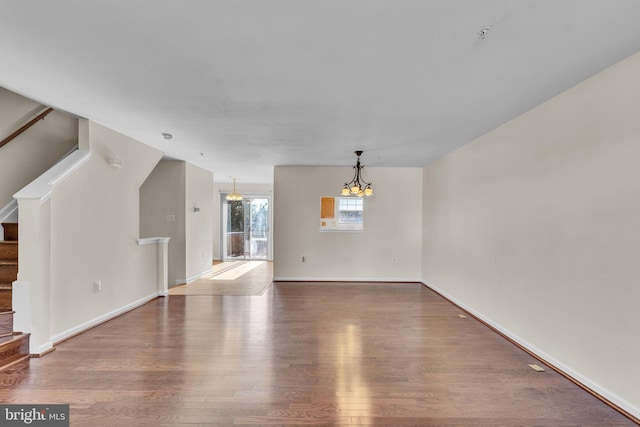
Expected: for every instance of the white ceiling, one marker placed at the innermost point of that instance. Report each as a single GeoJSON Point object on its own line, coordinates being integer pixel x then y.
{"type": "Point", "coordinates": [252, 84]}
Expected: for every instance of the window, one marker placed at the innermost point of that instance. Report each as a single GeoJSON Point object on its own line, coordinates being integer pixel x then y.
{"type": "Point", "coordinates": [350, 210]}
{"type": "Point", "coordinates": [341, 214]}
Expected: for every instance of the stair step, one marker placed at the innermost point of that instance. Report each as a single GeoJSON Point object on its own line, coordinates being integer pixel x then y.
{"type": "Point", "coordinates": [8, 271]}
{"type": "Point", "coordinates": [9, 250]}
{"type": "Point", "coordinates": [14, 350]}
{"type": "Point", "coordinates": [6, 290]}
{"type": "Point", "coordinates": [6, 323]}
{"type": "Point", "coordinates": [10, 230]}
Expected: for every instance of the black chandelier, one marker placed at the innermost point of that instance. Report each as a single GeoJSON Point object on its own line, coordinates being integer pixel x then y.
{"type": "Point", "coordinates": [357, 186]}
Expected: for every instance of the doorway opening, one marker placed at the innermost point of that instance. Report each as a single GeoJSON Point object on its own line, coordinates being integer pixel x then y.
{"type": "Point", "coordinates": [245, 229]}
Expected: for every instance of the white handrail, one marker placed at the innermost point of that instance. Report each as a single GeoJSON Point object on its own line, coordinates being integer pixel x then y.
{"type": "Point", "coordinates": [42, 186]}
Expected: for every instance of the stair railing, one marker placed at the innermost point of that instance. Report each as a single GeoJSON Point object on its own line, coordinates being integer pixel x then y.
{"type": "Point", "coordinates": [32, 122]}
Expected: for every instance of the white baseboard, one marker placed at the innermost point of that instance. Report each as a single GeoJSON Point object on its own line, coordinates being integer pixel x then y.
{"type": "Point", "coordinates": [44, 348]}
{"type": "Point", "coordinates": [8, 214]}
{"type": "Point", "coordinates": [346, 279]}
{"type": "Point", "coordinates": [192, 278]}
{"type": "Point", "coordinates": [101, 319]}
{"type": "Point", "coordinates": [9, 211]}
{"type": "Point", "coordinates": [577, 376]}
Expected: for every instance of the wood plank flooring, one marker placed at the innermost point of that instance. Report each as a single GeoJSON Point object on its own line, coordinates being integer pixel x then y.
{"type": "Point", "coordinates": [302, 354]}
{"type": "Point", "coordinates": [234, 278]}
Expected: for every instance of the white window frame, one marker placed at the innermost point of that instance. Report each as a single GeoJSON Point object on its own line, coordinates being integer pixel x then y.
{"type": "Point", "coordinates": [352, 204]}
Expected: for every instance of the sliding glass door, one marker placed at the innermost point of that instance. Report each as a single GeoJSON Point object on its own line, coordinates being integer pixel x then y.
{"type": "Point", "coordinates": [246, 229]}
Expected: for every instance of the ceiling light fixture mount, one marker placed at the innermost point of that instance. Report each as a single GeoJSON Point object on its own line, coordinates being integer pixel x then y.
{"type": "Point", "coordinates": [357, 186]}
{"type": "Point", "coordinates": [483, 32]}
{"type": "Point", "coordinates": [234, 196]}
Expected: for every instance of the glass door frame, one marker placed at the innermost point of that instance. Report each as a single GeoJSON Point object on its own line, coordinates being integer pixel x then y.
{"type": "Point", "coordinates": [223, 226]}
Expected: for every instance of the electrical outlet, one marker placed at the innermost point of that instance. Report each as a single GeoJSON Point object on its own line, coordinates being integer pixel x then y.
{"type": "Point", "coordinates": [304, 258]}
{"type": "Point", "coordinates": [97, 286]}
{"type": "Point", "coordinates": [171, 218]}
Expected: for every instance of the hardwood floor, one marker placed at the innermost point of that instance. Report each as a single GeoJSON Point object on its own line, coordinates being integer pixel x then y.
{"type": "Point", "coordinates": [231, 278]}
{"type": "Point", "coordinates": [302, 354]}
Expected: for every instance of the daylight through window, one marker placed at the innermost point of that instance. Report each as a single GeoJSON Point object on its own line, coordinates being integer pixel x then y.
{"type": "Point", "coordinates": [350, 210]}
{"type": "Point", "coordinates": [341, 214]}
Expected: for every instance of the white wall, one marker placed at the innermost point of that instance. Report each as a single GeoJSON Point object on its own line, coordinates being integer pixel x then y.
{"type": "Point", "coordinates": [94, 233]}
{"type": "Point", "coordinates": [198, 225]}
{"type": "Point", "coordinates": [162, 194]}
{"type": "Point", "coordinates": [535, 227]}
{"type": "Point", "coordinates": [175, 188]}
{"type": "Point", "coordinates": [221, 190]}
{"type": "Point", "coordinates": [33, 152]}
{"type": "Point", "coordinates": [392, 222]}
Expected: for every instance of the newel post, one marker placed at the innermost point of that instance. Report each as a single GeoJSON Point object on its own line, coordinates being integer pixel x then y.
{"type": "Point", "coordinates": [32, 290]}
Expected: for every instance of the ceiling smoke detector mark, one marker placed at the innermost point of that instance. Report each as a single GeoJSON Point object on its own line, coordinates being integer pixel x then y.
{"type": "Point", "coordinates": [537, 368]}
{"type": "Point", "coordinates": [462, 316]}
{"type": "Point", "coordinates": [484, 32]}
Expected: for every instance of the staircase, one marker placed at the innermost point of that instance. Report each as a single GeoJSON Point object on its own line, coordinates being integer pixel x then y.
{"type": "Point", "coordinates": [14, 346]}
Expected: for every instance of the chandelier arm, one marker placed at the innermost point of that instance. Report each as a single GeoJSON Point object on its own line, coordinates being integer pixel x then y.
{"type": "Point", "coordinates": [355, 176]}
{"type": "Point", "coordinates": [363, 180]}
{"type": "Point", "coordinates": [358, 181]}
